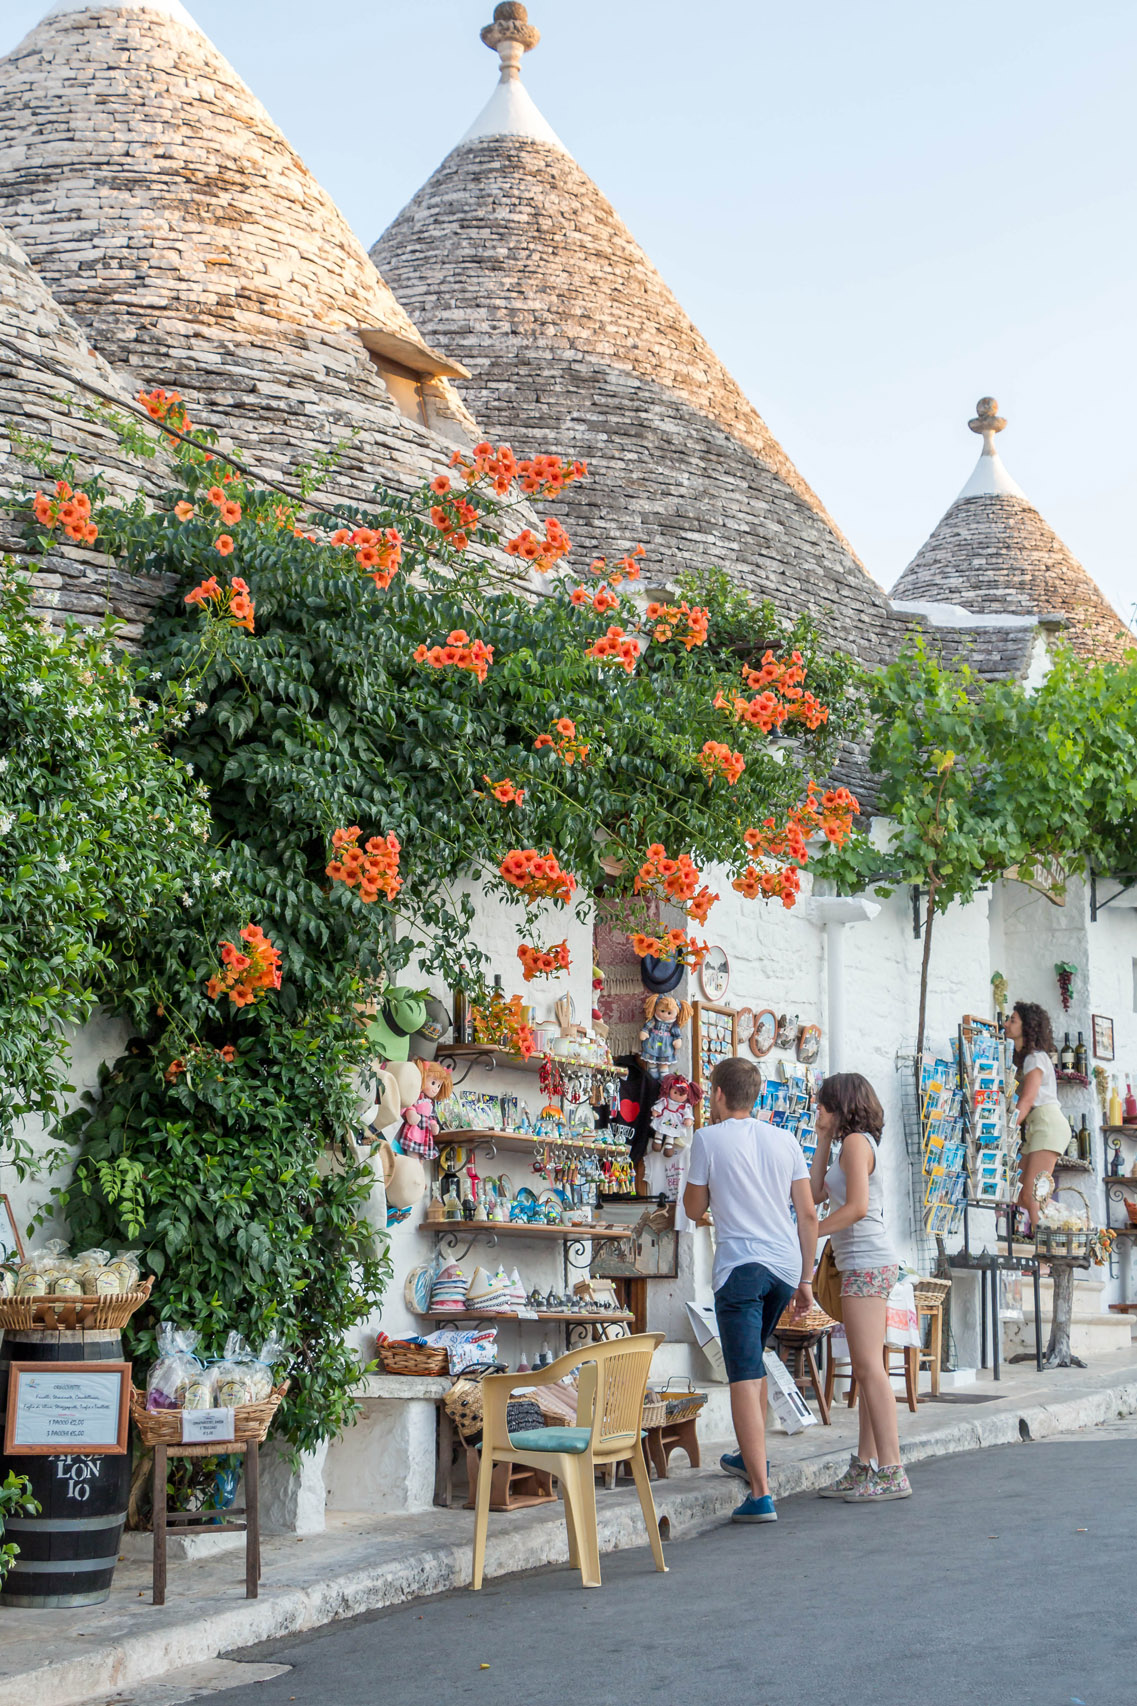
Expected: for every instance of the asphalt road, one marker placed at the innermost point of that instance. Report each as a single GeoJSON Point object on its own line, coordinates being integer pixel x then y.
{"type": "Point", "coordinates": [1008, 1580]}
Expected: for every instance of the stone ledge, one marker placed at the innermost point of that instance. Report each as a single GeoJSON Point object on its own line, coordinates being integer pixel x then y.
{"type": "Point", "coordinates": [402, 1386]}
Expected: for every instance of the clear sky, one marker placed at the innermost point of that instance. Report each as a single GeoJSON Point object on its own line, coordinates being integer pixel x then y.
{"type": "Point", "coordinates": [876, 212]}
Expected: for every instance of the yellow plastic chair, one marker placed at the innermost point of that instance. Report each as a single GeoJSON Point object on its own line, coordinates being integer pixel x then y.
{"type": "Point", "coordinates": [610, 1402]}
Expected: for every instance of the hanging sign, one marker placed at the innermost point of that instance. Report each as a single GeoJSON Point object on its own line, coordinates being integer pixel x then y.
{"type": "Point", "coordinates": [60, 1408]}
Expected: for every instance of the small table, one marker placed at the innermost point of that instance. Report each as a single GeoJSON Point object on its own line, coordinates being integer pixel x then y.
{"type": "Point", "coordinates": [659, 1442]}
{"type": "Point", "coordinates": [250, 1526]}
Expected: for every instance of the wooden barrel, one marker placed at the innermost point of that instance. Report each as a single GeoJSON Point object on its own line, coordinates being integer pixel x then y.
{"type": "Point", "coordinates": [68, 1552]}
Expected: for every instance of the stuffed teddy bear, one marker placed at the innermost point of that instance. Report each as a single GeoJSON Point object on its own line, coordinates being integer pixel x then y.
{"type": "Point", "coordinates": [659, 1039]}
{"type": "Point", "coordinates": [420, 1126]}
{"type": "Point", "coordinates": [672, 1122]}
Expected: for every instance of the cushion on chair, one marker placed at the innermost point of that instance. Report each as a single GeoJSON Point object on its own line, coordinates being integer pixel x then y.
{"type": "Point", "coordinates": [552, 1439]}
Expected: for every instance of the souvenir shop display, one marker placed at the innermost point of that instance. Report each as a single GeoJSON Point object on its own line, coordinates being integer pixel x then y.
{"type": "Point", "coordinates": [664, 1020]}
{"type": "Point", "coordinates": [714, 1037]}
{"type": "Point", "coordinates": [672, 1118]}
{"type": "Point", "coordinates": [178, 1379]}
{"type": "Point", "coordinates": [627, 1113]}
{"type": "Point", "coordinates": [943, 1151]}
{"type": "Point", "coordinates": [420, 1124]}
{"type": "Point", "coordinates": [51, 1288]}
{"type": "Point", "coordinates": [991, 1134]}
{"type": "Point", "coordinates": [714, 974]}
{"type": "Point", "coordinates": [764, 1033]}
{"type": "Point", "coordinates": [808, 1045]}
{"type": "Point", "coordinates": [789, 1099]}
{"type": "Point", "coordinates": [787, 1030]}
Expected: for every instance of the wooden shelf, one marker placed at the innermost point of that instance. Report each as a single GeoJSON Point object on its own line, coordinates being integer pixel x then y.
{"type": "Point", "coordinates": [1119, 1131]}
{"type": "Point", "coordinates": [1118, 1179]}
{"type": "Point", "coordinates": [491, 1056]}
{"type": "Point", "coordinates": [1072, 1165]}
{"type": "Point", "coordinates": [541, 1315]}
{"type": "Point", "coordinates": [527, 1143]}
{"type": "Point", "coordinates": [593, 1232]}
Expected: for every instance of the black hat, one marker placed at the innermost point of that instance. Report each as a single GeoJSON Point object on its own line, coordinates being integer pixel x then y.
{"type": "Point", "coordinates": [660, 977]}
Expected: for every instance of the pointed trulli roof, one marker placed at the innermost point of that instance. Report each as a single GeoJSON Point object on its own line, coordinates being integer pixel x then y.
{"type": "Point", "coordinates": [512, 260]}
{"type": "Point", "coordinates": [45, 362]}
{"type": "Point", "coordinates": [994, 553]}
{"type": "Point", "coordinates": [164, 208]}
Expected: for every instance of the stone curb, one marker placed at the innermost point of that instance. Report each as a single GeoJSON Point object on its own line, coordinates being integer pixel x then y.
{"type": "Point", "coordinates": [687, 1506]}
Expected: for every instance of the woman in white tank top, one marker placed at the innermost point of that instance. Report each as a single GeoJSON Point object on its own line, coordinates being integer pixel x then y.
{"type": "Point", "coordinates": [847, 1174]}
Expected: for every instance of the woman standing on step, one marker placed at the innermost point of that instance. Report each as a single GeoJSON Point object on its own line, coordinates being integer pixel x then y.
{"type": "Point", "coordinates": [846, 1172]}
{"type": "Point", "coordinates": [1044, 1127]}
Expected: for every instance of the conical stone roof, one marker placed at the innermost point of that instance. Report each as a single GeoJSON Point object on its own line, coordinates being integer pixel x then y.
{"type": "Point", "coordinates": [166, 211]}
{"type": "Point", "coordinates": [511, 259]}
{"type": "Point", "coordinates": [45, 362]}
{"type": "Point", "coordinates": [994, 554]}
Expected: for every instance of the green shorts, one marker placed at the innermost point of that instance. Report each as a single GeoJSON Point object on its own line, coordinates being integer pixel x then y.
{"type": "Point", "coordinates": [1046, 1128]}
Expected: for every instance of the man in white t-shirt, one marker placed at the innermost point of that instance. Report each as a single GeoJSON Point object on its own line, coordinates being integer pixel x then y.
{"type": "Point", "coordinates": [748, 1173]}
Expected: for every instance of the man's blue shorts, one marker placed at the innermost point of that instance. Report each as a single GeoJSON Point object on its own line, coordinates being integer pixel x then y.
{"type": "Point", "coordinates": [748, 1306]}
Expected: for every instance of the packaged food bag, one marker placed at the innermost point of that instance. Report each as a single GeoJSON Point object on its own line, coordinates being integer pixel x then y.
{"type": "Point", "coordinates": [90, 1265]}
{"type": "Point", "coordinates": [174, 1370]}
{"type": "Point", "coordinates": [125, 1270]}
{"type": "Point", "coordinates": [39, 1273]}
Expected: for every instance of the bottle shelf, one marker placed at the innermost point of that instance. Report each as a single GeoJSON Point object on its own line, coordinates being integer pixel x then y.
{"type": "Point", "coordinates": [592, 1231]}
{"type": "Point", "coordinates": [539, 1315]}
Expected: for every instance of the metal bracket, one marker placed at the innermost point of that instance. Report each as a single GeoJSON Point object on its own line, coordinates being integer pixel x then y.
{"type": "Point", "coordinates": [1096, 905]}
{"type": "Point", "coordinates": [486, 1060]}
{"type": "Point", "coordinates": [450, 1239]}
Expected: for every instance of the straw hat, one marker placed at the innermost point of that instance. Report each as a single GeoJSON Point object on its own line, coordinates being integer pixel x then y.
{"type": "Point", "coordinates": [404, 1176]}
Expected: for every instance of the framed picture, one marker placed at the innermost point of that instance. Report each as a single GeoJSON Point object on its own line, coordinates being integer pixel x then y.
{"type": "Point", "coordinates": [11, 1244]}
{"type": "Point", "coordinates": [1102, 1037]}
{"type": "Point", "coordinates": [765, 1032]}
{"type": "Point", "coordinates": [714, 974]}
{"type": "Point", "coordinates": [63, 1408]}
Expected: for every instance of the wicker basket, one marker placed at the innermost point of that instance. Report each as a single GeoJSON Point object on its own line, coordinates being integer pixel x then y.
{"type": "Point", "coordinates": [814, 1321]}
{"type": "Point", "coordinates": [164, 1427]}
{"type": "Point", "coordinates": [655, 1413]}
{"type": "Point", "coordinates": [931, 1290]}
{"type": "Point", "coordinates": [681, 1405]}
{"type": "Point", "coordinates": [21, 1314]}
{"type": "Point", "coordinates": [1062, 1240]}
{"type": "Point", "coordinates": [398, 1357]}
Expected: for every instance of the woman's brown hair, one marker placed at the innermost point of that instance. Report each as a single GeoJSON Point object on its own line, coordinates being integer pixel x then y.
{"type": "Point", "coordinates": [855, 1103]}
{"type": "Point", "coordinates": [1037, 1037]}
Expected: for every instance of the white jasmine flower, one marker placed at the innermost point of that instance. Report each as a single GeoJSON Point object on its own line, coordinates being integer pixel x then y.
{"type": "Point", "coordinates": [200, 707]}
{"type": "Point", "coordinates": [6, 822]}
{"type": "Point", "coordinates": [63, 865]}
{"type": "Point", "coordinates": [217, 879]}
{"type": "Point", "coordinates": [35, 688]}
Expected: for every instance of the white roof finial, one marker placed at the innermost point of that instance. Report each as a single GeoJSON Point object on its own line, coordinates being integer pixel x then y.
{"type": "Point", "coordinates": [510, 110]}
{"type": "Point", "coordinates": [990, 478]}
{"type": "Point", "coordinates": [510, 35]}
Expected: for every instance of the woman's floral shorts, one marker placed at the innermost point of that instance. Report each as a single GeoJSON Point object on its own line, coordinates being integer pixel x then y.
{"type": "Point", "coordinates": [869, 1282]}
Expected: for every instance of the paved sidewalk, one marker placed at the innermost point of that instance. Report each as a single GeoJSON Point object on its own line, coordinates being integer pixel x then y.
{"type": "Point", "coordinates": [59, 1658]}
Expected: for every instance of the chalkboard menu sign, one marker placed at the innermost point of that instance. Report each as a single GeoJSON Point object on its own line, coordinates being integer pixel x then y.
{"type": "Point", "coordinates": [67, 1407]}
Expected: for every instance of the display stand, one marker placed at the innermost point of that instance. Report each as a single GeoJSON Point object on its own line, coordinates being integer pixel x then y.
{"type": "Point", "coordinates": [1058, 1352]}
{"type": "Point", "coordinates": [714, 1037]}
{"type": "Point", "coordinates": [206, 1521]}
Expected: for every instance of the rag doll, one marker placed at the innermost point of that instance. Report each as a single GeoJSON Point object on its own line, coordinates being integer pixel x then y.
{"type": "Point", "coordinates": [672, 1121]}
{"type": "Point", "coordinates": [659, 1039]}
{"type": "Point", "coordinates": [420, 1124]}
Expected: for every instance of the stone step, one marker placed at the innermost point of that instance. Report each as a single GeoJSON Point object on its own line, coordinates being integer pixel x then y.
{"type": "Point", "coordinates": [1091, 1335]}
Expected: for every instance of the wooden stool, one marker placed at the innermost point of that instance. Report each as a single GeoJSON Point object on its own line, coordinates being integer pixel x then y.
{"type": "Point", "coordinates": [660, 1442]}
{"type": "Point", "coordinates": [514, 1484]}
{"type": "Point", "coordinates": [250, 1527]}
{"type": "Point", "coordinates": [910, 1371]}
{"type": "Point", "coordinates": [796, 1349]}
{"type": "Point", "coordinates": [930, 1356]}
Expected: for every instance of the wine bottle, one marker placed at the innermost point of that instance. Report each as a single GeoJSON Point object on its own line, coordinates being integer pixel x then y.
{"type": "Point", "coordinates": [460, 1007]}
{"type": "Point", "coordinates": [1085, 1141]}
{"type": "Point", "coordinates": [1115, 1108]}
{"type": "Point", "coordinates": [1066, 1056]}
{"type": "Point", "coordinates": [1081, 1061]}
{"type": "Point", "coordinates": [1129, 1113]}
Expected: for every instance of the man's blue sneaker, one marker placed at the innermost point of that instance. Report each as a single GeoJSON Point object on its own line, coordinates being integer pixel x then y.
{"type": "Point", "coordinates": [755, 1510]}
{"type": "Point", "coordinates": [731, 1464]}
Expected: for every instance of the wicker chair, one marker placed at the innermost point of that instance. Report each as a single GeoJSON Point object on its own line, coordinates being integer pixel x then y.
{"type": "Point", "coordinates": [611, 1386]}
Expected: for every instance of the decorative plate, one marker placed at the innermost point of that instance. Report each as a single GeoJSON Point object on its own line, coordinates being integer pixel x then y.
{"type": "Point", "coordinates": [808, 1044]}
{"type": "Point", "coordinates": [714, 974]}
{"type": "Point", "coordinates": [765, 1032]}
{"type": "Point", "coordinates": [787, 1030]}
{"type": "Point", "coordinates": [746, 1018]}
